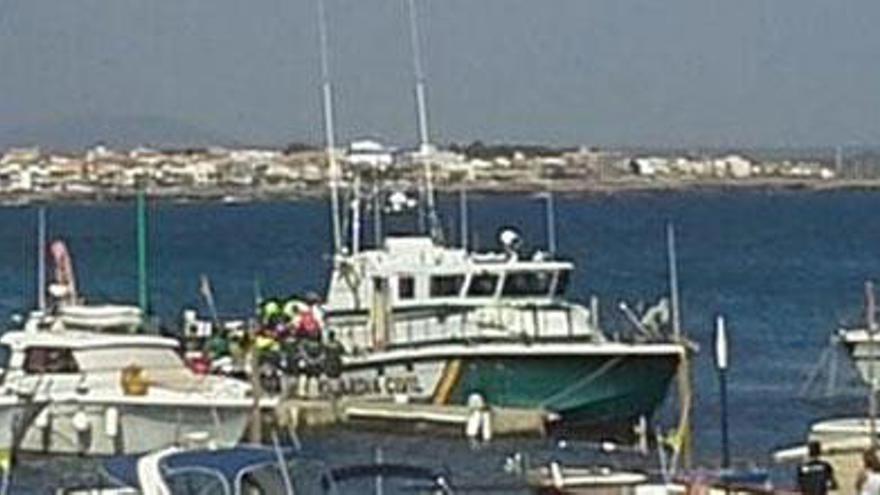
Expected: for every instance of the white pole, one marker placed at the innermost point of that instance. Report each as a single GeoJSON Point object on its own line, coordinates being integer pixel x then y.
{"type": "Point", "coordinates": [329, 135]}
{"type": "Point", "coordinates": [41, 258]}
{"type": "Point", "coordinates": [463, 214]}
{"type": "Point", "coordinates": [551, 223]}
{"type": "Point", "coordinates": [356, 216]}
{"type": "Point", "coordinates": [721, 344]}
{"type": "Point", "coordinates": [721, 362]}
{"type": "Point", "coordinates": [673, 280]}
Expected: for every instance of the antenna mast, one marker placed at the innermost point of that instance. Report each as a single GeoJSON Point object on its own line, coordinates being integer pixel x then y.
{"type": "Point", "coordinates": [329, 136]}
{"type": "Point", "coordinates": [425, 146]}
{"type": "Point", "coordinates": [421, 106]}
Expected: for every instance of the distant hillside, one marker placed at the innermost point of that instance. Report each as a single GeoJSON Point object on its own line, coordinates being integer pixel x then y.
{"type": "Point", "coordinates": [79, 132]}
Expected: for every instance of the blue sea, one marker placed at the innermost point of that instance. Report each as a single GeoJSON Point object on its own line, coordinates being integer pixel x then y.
{"type": "Point", "coordinates": [784, 267]}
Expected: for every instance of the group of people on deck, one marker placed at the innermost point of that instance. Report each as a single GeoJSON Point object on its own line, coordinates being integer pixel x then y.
{"type": "Point", "coordinates": [289, 339]}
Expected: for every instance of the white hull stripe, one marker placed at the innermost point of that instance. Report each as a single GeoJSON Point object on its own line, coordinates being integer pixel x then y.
{"type": "Point", "coordinates": [444, 351]}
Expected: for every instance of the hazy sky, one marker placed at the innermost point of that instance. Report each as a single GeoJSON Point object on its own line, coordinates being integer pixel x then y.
{"type": "Point", "coordinates": [604, 72]}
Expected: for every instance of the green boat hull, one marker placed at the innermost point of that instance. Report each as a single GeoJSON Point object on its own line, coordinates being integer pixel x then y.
{"type": "Point", "coordinates": [582, 389]}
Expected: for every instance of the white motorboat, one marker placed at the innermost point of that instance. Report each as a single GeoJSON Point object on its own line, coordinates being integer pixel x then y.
{"type": "Point", "coordinates": [110, 393]}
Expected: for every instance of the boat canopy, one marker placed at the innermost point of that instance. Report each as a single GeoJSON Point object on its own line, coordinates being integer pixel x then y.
{"type": "Point", "coordinates": [243, 469]}
{"type": "Point", "coordinates": [101, 318]}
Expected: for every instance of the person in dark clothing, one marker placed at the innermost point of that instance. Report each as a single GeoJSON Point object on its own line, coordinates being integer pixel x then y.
{"type": "Point", "coordinates": [815, 476]}
{"type": "Point", "coordinates": [333, 352]}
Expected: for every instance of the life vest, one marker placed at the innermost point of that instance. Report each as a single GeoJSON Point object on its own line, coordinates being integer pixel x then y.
{"type": "Point", "coordinates": [293, 308]}
{"type": "Point", "coordinates": [308, 325]}
{"type": "Point", "coordinates": [265, 343]}
{"type": "Point", "coordinates": [270, 309]}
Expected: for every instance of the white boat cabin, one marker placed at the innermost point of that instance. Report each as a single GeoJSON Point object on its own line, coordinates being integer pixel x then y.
{"type": "Point", "coordinates": [78, 360]}
{"type": "Point", "coordinates": [414, 291]}
{"type": "Point", "coordinates": [415, 271]}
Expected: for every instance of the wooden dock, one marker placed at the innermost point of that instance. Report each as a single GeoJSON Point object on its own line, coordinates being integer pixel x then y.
{"type": "Point", "coordinates": [385, 413]}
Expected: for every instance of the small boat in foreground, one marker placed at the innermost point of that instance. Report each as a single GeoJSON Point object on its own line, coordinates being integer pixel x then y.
{"type": "Point", "coordinates": [243, 470]}
{"type": "Point", "coordinates": [255, 470]}
{"type": "Point", "coordinates": [113, 393]}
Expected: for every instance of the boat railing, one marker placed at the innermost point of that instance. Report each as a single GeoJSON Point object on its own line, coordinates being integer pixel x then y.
{"type": "Point", "coordinates": [501, 322]}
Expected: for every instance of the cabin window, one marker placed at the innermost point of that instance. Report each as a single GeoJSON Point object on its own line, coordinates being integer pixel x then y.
{"type": "Point", "coordinates": [49, 360]}
{"type": "Point", "coordinates": [406, 288]}
{"type": "Point", "coordinates": [519, 284]}
{"type": "Point", "coordinates": [446, 285]}
{"type": "Point", "coordinates": [561, 283]}
{"type": "Point", "coordinates": [483, 285]}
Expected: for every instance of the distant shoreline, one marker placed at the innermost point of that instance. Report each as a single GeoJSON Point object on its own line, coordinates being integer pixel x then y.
{"type": "Point", "coordinates": [233, 196]}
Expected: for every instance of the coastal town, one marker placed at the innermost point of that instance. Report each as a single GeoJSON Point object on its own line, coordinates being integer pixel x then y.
{"type": "Point", "coordinates": [238, 174]}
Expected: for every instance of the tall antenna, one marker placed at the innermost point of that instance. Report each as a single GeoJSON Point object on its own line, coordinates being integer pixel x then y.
{"type": "Point", "coordinates": [329, 136]}
{"type": "Point", "coordinates": [41, 258]}
{"type": "Point", "coordinates": [425, 147]}
{"type": "Point", "coordinates": [871, 317]}
{"type": "Point", "coordinates": [421, 106]}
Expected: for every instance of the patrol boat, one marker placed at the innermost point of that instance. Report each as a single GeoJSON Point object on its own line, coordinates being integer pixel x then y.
{"type": "Point", "coordinates": [442, 323]}
{"type": "Point", "coordinates": [445, 324]}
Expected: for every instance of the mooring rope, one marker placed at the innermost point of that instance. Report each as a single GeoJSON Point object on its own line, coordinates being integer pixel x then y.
{"type": "Point", "coordinates": [586, 380]}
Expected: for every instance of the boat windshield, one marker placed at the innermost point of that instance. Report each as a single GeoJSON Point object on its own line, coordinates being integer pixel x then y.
{"type": "Point", "coordinates": [265, 479]}
{"type": "Point", "coordinates": [197, 482]}
{"type": "Point", "coordinates": [561, 283]}
{"type": "Point", "coordinates": [114, 358]}
{"type": "Point", "coordinates": [525, 284]}
{"type": "Point", "coordinates": [446, 285]}
{"type": "Point", "coordinates": [483, 285]}
{"type": "Point", "coordinates": [40, 360]}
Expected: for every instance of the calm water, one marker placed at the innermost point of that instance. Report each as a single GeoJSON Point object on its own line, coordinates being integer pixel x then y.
{"type": "Point", "coordinates": [785, 268]}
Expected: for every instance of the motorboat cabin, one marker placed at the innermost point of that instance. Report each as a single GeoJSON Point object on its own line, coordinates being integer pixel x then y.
{"type": "Point", "coordinates": [112, 393]}
{"type": "Point", "coordinates": [416, 290]}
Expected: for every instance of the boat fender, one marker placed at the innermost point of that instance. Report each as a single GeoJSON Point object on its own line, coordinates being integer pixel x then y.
{"type": "Point", "coordinates": [556, 475]}
{"type": "Point", "coordinates": [111, 422]}
{"type": "Point", "coordinates": [42, 419]}
{"type": "Point", "coordinates": [475, 401]}
{"type": "Point", "coordinates": [486, 425]}
{"type": "Point", "coordinates": [80, 422]}
{"type": "Point", "coordinates": [473, 426]}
